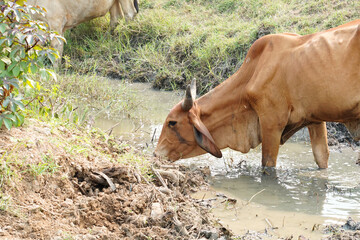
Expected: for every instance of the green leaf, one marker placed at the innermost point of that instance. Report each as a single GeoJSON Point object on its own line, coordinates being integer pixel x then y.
{"type": "Point", "coordinates": [2, 66]}
{"type": "Point", "coordinates": [52, 58]}
{"type": "Point", "coordinates": [13, 52]}
{"type": "Point", "coordinates": [8, 123]}
{"type": "Point", "coordinates": [11, 117]}
{"type": "Point", "coordinates": [20, 105]}
{"type": "Point", "coordinates": [33, 68]}
{"type": "Point", "coordinates": [24, 66]}
{"type": "Point", "coordinates": [20, 2]}
{"type": "Point", "coordinates": [12, 65]}
{"type": "Point", "coordinates": [29, 82]}
{"type": "Point", "coordinates": [51, 74]}
{"type": "Point", "coordinates": [3, 27]}
{"type": "Point", "coordinates": [6, 102]}
{"type": "Point", "coordinates": [16, 71]}
{"type": "Point", "coordinates": [2, 41]}
{"type": "Point", "coordinates": [20, 119]}
{"type": "Point", "coordinates": [6, 60]}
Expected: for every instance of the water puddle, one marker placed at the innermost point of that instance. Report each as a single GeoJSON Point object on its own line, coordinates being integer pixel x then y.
{"type": "Point", "coordinates": [146, 126]}
{"type": "Point", "coordinates": [244, 217]}
{"type": "Point", "coordinates": [293, 198]}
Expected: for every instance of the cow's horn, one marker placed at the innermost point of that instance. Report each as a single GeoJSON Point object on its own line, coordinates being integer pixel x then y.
{"type": "Point", "coordinates": [188, 101]}
{"type": "Point", "coordinates": [189, 96]}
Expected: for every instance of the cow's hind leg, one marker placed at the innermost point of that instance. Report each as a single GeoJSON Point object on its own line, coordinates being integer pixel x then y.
{"type": "Point", "coordinates": [319, 144]}
{"type": "Point", "coordinates": [354, 129]}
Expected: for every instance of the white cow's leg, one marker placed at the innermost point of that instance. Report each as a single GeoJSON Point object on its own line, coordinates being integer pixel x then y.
{"type": "Point", "coordinates": [319, 144]}
{"type": "Point", "coordinates": [58, 26]}
{"type": "Point", "coordinates": [115, 14]}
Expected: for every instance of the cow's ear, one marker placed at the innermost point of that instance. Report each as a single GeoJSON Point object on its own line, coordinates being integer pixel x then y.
{"type": "Point", "coordinates": [204, 138]}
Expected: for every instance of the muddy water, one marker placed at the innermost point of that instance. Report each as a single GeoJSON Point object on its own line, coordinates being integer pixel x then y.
{"type": "Point", "coordinates": [292, 198]}
{"type": "Point", "coordinates": [144, 126]}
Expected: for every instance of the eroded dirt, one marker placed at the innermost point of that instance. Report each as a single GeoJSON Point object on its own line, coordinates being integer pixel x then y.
{"type": "Point", "coordinates": [82, 192]}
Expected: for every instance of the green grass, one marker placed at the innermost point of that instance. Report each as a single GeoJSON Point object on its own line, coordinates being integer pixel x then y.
{"type": "Point", "coordinates": [80, 99]}
{"type": "Point", "coordinates": [46, 166]}
{"type": "Point", "coordinates": [172, 41]}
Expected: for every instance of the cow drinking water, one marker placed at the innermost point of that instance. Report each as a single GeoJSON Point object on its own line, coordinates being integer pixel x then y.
{"type": "Point", "coordinates": [286, 82]}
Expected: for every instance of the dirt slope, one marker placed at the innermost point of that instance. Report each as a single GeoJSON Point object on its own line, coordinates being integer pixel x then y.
{"type": "Point", "coordinates": [58, 183]}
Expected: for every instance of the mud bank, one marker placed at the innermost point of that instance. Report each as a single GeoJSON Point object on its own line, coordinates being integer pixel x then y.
{"type": "Point", "coordinates": [61, 183]}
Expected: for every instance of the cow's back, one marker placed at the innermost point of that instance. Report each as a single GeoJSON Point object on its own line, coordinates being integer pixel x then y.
{"type": "Point", "coordinates": [322, 74]}
{"type": "Point", "coordinates": [316, 76]}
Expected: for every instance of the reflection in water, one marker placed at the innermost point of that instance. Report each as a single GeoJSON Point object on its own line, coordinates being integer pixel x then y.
{"type": "Point", "coordinates": [296, 185]}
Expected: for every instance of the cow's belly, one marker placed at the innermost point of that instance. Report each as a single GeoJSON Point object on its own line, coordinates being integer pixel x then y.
{"type": "Point", "coordinates": [85, 10]}
{"type": "Point", "coordinates": [329, 110]}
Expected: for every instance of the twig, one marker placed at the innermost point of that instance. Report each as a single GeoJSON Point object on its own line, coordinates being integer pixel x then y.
{"type": "Point", "coordinates": [180, 227]}
{"type": "Point", "coordinates": [170, 167]}
{"type": "Point", "coordinates": [111, 184]}
{"type": "Point", "coordinates": [159, 177]}
{"type": "Point", "coordinates": [269, 223]}
{"type": "Point", "coordinates": [32, 100]}
{"type": "Point", "coordinates": [255, 196]}
{"type": "Point", "coordinates": [153, 136]}
{"type": "Point", "coordinates": [111, 128]}
{"type": "Point", "coordinates": [283, 222]}
{"type": "Point", "coordinates": [170, 176]}
{"type": "Point", "coordinates": [80, 188]}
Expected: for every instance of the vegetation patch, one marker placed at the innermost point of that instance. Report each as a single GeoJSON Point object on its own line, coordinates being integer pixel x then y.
{"type": "Point", "coordinates": [173, 41]}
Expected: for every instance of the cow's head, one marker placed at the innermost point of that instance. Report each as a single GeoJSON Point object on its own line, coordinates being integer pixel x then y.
{"type": "Point", "coordinates": [183, 134]}
{"type": "Point", "coordinates": [129, 8]}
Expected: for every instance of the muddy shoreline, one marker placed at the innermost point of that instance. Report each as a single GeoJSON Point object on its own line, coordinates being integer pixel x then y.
{"type": "Point", "coordinates": [92, 195]}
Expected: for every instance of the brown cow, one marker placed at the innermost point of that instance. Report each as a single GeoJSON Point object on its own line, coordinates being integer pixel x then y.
{"type": "Point", "coordinates": [61, 15]}
{"type": "Point", "coordinates": [286, 82]}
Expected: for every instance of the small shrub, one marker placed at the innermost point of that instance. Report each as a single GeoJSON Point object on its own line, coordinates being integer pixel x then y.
{"type": "Point", "coordinates": [23, 53]}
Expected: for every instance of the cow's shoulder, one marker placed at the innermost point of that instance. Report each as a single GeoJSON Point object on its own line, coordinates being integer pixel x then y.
{"type": "Point", "coordinates": [274, 42]}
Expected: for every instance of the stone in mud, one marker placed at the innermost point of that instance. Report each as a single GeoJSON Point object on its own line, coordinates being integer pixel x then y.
{"type": "Point", "coordinates": [210, 234]}
{"type": "Point", "coordinates": [156, 211]}
{"type": "Point", "coordinates": [351, 224]}
{"type": "Point", "coordinates": [338, 133]}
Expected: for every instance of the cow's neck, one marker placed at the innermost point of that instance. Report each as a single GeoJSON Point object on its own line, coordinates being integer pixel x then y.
{"type": "Point", "coordinates": [226, 112]}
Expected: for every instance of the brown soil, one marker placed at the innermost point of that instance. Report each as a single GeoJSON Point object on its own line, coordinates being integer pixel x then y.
{"type": "Point", "coordinates": [79, 191]}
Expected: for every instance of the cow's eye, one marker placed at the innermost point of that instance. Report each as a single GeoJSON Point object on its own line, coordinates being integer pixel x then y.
{"type": "Point", "coordinates": [171, 123]}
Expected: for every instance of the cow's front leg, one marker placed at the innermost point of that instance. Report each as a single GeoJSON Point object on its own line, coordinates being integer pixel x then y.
{"type": "Point", "coordinates": [271, 135]}
{"type": "Point", "coordinates": [319, 144]}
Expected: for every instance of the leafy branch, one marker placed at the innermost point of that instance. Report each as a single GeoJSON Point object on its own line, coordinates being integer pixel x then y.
{"type": "Point", "coordinates": [24, 52]}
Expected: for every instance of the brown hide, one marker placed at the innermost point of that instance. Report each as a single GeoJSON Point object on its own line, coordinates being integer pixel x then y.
{"type": "Point", "coordinates": [286, 82]}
